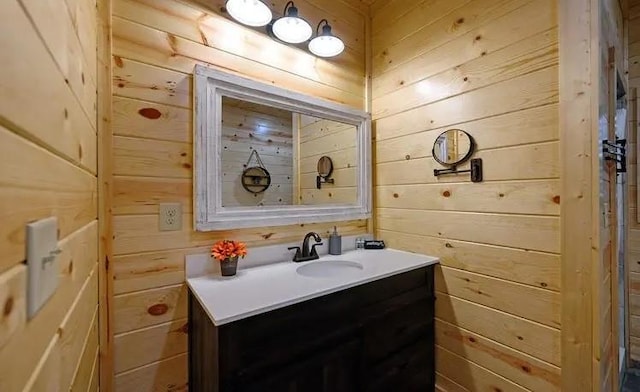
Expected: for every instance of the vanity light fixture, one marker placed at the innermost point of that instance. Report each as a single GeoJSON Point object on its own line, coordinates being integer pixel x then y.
{"type": "Point", "coordinates": [326, 44]}
{"type": "Point", "coordinates": [249, 12]}
{"type": "Point", "coordinates": [291, 28]}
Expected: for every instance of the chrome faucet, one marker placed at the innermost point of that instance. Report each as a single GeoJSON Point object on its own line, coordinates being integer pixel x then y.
{"type": "Point", "coordinates": [304, 253]}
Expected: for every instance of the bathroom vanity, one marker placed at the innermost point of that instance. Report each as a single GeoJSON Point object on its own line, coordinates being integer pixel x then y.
{"type": "Point", "coordinates": [362, 321]}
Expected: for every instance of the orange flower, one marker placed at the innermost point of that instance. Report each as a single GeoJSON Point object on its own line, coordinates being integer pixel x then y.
{"type": "Point", "coordinates": [227, 249]}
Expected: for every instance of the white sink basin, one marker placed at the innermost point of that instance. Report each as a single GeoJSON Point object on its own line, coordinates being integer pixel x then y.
{"type": "Point", "coordinates": [330, 269]}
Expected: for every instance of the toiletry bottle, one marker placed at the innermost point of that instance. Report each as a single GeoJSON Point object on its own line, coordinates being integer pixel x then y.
{"type": "Point", "coordinates": [335, 242]}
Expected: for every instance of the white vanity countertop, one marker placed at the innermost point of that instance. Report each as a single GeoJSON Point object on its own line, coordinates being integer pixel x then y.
{"type": "Point", "coordinates": [261, 289]}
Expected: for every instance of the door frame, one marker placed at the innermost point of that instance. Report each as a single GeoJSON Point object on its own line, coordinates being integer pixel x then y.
{"type": "Point", "coordinates": [578, 44]}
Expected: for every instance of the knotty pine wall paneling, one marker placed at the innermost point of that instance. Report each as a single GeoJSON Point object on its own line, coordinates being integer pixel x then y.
{"type": "Point", "coordinates": [156, 44]}
{"type": "Point", "coordinates": [48, 167]}
{"type": "Point", "coordinates": [489, 67]}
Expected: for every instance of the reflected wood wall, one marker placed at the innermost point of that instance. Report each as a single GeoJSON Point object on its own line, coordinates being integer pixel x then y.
{"type": "Point", "coordinates": [156, 44]}
{"type": "Point", "coordinates": [320, 138]}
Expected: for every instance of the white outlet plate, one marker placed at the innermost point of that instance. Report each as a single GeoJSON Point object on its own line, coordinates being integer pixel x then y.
{"type": "Point", "coordinates": [42, 263]}
{"type": "Point", "coordinates": [170, 217]}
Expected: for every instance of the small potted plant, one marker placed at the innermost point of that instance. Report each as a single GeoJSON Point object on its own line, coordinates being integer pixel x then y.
{"type": "Point", "coordinates": [227, 253]}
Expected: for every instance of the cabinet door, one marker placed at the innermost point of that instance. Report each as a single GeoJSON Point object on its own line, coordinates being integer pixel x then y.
{"type": "Point", "coordinates": [397, 329]}
{"type": "Point", "coordinates": [336, 369]}
{"type": "Point", "coordinates": [410, 370]}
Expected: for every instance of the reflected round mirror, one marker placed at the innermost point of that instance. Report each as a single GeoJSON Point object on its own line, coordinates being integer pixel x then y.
{"type": "Point", "coordinates": [325, 167]}
{"type": "Point", "coordinates": [452, 147]}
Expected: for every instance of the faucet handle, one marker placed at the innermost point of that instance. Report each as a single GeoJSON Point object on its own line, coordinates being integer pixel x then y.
{"type": "Point", "coordinates": [314, 252]}
{"type": "Point", "coordinates": [298, 252]}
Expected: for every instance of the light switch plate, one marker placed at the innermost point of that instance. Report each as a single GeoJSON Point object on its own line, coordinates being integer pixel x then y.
{"type": "Point", "coordinates": [42, 263]}
{"type": "Point", "coordinates": [170, 218]}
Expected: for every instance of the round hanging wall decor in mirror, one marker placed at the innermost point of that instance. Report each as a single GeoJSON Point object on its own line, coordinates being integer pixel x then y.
{"type": "Point", "coordinates": [453, 147]}
{"type": "Point", "coordinates": [256, 179]}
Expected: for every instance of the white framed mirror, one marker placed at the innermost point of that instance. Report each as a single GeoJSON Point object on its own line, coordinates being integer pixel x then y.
{"type": "Point", "coordinates": [257, 150]}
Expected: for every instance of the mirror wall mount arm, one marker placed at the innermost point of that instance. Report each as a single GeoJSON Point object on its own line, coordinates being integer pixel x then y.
{"type": "Point", "coordinates": [323, 180]}
{"type": "Point", "coordinates": [210, 86]}
{"type": "Point", "coordinates": [475, 170]}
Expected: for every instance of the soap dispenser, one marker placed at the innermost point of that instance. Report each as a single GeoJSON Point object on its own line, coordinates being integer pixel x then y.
{"type": "Point", "coordinates": [335, 242]}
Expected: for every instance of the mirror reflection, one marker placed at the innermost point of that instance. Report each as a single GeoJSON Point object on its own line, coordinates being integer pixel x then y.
{"type": "Point", "coordinates": [453, 146]}
{"type": "Point", "coordinates": [272, 156]}
{"type": "Point", "coordinates": [325, 166]}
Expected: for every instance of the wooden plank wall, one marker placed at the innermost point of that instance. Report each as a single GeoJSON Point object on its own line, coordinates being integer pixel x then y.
{"type": "Point", "coordinates": [248, 127]}
{"type": "Point", "coordinates": [489, 67]}
{"type": "Point", "coordinates": [633, 220]}
{"type": "Point", "coordinates": [156, 44]}
{"type": "Point", "coordinates": [321, 137]}
{"type": "Point", "coordinates": [48, 168]}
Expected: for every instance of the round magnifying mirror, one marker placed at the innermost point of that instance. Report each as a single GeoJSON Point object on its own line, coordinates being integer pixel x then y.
{"type": "Point", "coordinates": [452, 147]}
{"type": "Point", "coordinates": [325, 167]}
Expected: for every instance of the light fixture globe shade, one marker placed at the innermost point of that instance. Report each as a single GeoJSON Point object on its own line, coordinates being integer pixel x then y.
{"type": "Point", "coordinates": [249, 12]}
{"type": "Point", "coordinates": [326, 46]}
{"type": "Point", "coordinates": [292, 29]}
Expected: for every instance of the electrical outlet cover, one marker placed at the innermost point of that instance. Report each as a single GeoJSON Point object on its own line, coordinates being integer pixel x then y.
{"type": "Point", "coordinates": [170, 218]}
{"type": "Point", "coordinates": [42, 263]}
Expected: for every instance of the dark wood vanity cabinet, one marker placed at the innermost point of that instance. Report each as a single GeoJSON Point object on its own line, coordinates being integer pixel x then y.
{"type": "Point", "coordinates": [377, 336]}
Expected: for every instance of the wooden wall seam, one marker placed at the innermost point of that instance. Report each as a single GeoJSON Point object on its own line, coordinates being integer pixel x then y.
{"type": "Point", "coordinates": [105, 362]}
